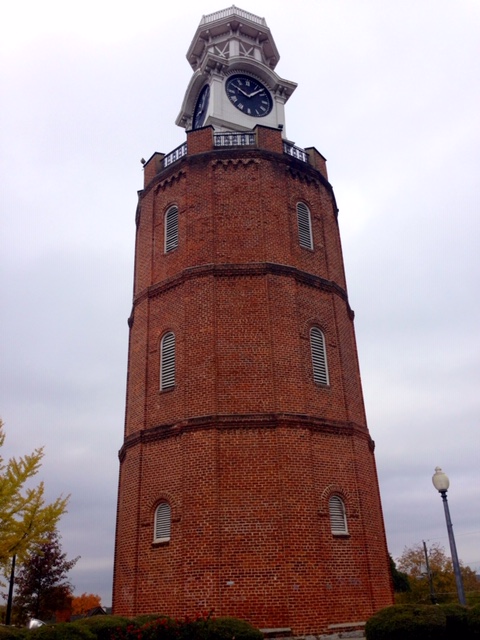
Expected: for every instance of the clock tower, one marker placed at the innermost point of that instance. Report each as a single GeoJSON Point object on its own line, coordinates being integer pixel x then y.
{"type": "Point", "coordinates": [247, 473]}
{"type": "Point", "coordinates": [234, 85]}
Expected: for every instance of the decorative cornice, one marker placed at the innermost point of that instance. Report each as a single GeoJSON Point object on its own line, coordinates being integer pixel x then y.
{"type": "Point", "coordinates": [295, 167]}
{"type": "Point", "coordinates": [245, 421]}
{"type": "Point", "coordinates": [304, 177]}
{"type": "Point", "coordinates": [170, 181]}
{"type": "Point", "coordinates": [234, 162]}
{"type": "Point", "coordinates": [244, 270]}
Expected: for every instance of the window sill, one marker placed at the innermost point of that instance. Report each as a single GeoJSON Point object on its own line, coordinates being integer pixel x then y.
{"type": "Point", "coordinates": [164, 542]}
{"type": "Point", "coordinates": [167, 390]}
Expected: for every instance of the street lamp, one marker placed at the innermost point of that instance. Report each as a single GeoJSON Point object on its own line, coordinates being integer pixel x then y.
{"type": "Point", "coordinates": [441, 483]}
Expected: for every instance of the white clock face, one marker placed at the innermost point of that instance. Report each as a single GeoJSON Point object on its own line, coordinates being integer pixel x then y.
{"type": "Point", "coordinates": [249, 95]}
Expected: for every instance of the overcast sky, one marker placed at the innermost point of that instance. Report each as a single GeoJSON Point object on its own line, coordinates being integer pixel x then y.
{"type": "Point", "coordinates": [388, 91]}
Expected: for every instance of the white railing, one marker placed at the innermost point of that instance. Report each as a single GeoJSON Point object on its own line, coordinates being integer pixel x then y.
{"type": "Point", "coordinates": [233, 10]}
{"type": "Point", "coordinates": [175, 155]}
{"type": "Point", "coordinates": [234, 139]}
{"type": "Point", "coordinates": [295, 152]}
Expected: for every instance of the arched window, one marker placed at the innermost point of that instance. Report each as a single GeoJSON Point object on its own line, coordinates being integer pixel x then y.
{"type": "Point", "coordinates": [167, 361]}
{"type": "Point", "coordinates": [319, 356]}
{"type": "Point", "coordinates": [162, 522]}
{"type": "Point", "coordinates": [171, 229]}
{"type": "Point", "coordinates": [338, 518]}
{"type": "Point", "coordinates": [304, 226]}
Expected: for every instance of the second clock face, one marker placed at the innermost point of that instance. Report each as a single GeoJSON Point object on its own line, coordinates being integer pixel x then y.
{"type": "Point", "coordinates": [201, 107]}
{"type": "Point", "coordinates": [248, 95]}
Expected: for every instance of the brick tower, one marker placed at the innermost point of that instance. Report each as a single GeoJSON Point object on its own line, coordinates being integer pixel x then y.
{"type": "Point", "coordinates": [247, 474]}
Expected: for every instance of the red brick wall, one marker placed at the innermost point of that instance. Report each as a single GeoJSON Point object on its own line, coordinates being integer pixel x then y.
{"type": "Point", "coordinates": [246, 448]}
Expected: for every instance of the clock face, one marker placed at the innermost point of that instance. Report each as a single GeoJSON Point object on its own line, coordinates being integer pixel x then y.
{"type": "Point", "coordinates": [201, 107]}
{"type": "Point", "coordinates": [248, 95]}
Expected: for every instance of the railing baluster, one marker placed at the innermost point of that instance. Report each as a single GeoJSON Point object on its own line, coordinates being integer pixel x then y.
{"type": "Point", "coordinates": [175, 155]}
{"type": "Point", "coordinates": [295, 152]}
{"type": "Point", "coordinates": [235, 139]}
{"type": "Point", "coordinates": [224, 13]}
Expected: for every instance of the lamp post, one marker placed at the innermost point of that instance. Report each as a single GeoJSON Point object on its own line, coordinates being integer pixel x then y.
{"type": "Point", "coordinates": [441, 483]}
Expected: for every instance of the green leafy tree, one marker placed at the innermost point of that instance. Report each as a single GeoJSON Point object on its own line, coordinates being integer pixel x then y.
{"type": "Point", "coordinates": [25, 518]}
{"type": "Point", "coordinates": [42, 582]}
{"type": "Point", "coordinates": [412, 562]}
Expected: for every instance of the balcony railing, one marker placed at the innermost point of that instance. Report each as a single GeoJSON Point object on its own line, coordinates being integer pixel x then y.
{"type": "Point", "coordinates": [295, 152]}
{"type": "Point", "coordinates": [231, 11]}
{"type": "Point", "coordinates": [175, 155]}
{"type": "Point", "coordinates": [234, 139]}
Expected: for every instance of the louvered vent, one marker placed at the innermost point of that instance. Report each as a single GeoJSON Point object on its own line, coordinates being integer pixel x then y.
{"type": "Point", "coordinates": [304, 226]}
{"type": "Point", "coordinates": [319, 356]}
{"type": "Point", "coordinates": [338, 520]}
{"type": "Point", "coordinates": [162, 522]}
{"type": "Point", "coordinates": [171, 229]}
{"type": "Point", "coordinates": [167, 362]}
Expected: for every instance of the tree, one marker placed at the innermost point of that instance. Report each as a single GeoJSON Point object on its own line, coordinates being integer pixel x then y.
{"type": "Point", "coordinates": [42, 583]}
{"type": "Point", "coordinates": [400, 580]}
{"type": "Point", "coordinates": [25, 518]}
{"type": "Point", "coordinates": [82, 604]}
{"type": "Point", "coordinates": [413, 563]}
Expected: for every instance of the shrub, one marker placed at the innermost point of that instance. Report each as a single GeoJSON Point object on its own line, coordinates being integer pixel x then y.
{"type": "Point", "coordinates": [473, 623]}
{"type": "Point", "coordinates": [228, 628]}
{"type": "Point", "coordinates": [201, 627]}
{"type": "Point", "coordinates": [61, 631]}
{"type": "Point", "coordinates": [147, 617]}
{"type": "Point", "coordinates": [148, 628]}
{"type": "Point", "coordinates": [11, 633]}
{"type": "Point", "coordinates": [456, 617]}
{"type": "Point", "coordinates": [102, 627]}
{"type": "Point", "coordinates": [415, 622]}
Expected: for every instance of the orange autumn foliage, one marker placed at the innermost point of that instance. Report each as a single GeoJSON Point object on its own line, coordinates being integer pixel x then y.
{"type": "Point", "coordinates": [82, 604]}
